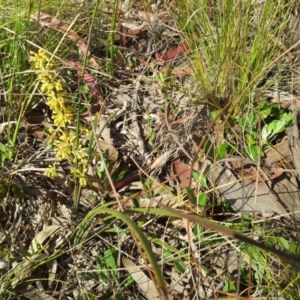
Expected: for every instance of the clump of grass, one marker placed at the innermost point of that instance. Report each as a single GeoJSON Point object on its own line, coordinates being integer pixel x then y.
{"type": "Point", "coordinates": [231, 43]}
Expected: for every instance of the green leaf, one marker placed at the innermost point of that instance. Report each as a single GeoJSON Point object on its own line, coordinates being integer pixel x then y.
{"type": "Point", "coordinates": [2, 153]}
{"type": "Point", "coordinates": [265, 112]}
{"type": "Point", "coordinates": [258, 275]}
{"type": "Point", "coordinates": [3, 188]}
{"type": "Point", "coordinates": [265, 133]}
{"type": "Point", "coordinates": [201, 199]}
{"type": "Point", "coordinates": [279, 126]}
{"type": "Point", "coordinates": [271, 241]}
{"type": "Point", "coordinates": [197, 230]}
{"type": "Point", "coordinates": [229, 287]}
{"type": "Point", "coordinates": [167, 254]}
{"type": "Point", "coordinates": [120, 175]}
{"type": "Point", "coordinates": [92, 198]}
{"type": "Point", "coordinates": [47, 130]}
{"type": "Point", "coordinates": [253, 152]}
{"type": "Point", "coordinates": [102, 271]}
{"type": "Point", "coordinates": [222, 151]}
{"type": "Point", "coordinates": [196, 175]}
{"type": "Point", "coordinates": [179, 266]}
{"type": "Point", "coordinates": [283, 243]}
{"type": "Point", "coordinates": [18, 193]}
{"type": "Point", "coordinates": [191, 194]}
{"type": "Point", "coordinates": [289, 119]}
{"type": "Point", "coordinates": [214, 114]}
{"type": "Point", "coordinates": [110, 260]}
{"type": "Point", "coordinates": [226, 207]}
{"type": "Point", "coordinates": [203, 181]}
{"type": "Point", "coordinates": [250, 139]}
{"type": "Point", "coordinates": [293, 248]}
{"type": "Point", "coordinates": [255, 254]}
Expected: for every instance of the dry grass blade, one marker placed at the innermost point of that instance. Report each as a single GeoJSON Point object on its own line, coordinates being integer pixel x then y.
{"type": "Point", "coordinates": [290, 258]}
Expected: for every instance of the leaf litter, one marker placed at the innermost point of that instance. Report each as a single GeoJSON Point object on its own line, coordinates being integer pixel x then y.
{"type": "Point", "coordinates": [48, 202]}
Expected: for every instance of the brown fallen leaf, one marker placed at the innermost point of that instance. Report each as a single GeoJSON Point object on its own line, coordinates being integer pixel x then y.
{"type": "Point", "coordinates": [144, 283]}
{"type": "Point", "coordinates": [91, 83]}
{"type": "Point", "coordinates": [286, 101]}
{"type": "Point", "coordinates": [279, 153]}
{"type": "Point", "coordinates": [47, 20]}
{"type": "Point", "coordinates": [34, 125]}
{"type": "Point", "coordinates": [174, 53]}
{"type": "Point", "coordinates": [247, 195]}
{"type": "Point", "coordinates": [181, 171]}
{"type": "Point", "coordinates": [180, 71]}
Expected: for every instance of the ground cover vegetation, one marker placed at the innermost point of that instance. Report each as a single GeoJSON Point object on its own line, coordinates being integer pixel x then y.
{"type": "Point", "coordinates": [149, 150]}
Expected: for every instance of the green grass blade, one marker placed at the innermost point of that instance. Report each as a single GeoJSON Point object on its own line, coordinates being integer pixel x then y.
{"type": "Point", "coordinates": [85, 224]}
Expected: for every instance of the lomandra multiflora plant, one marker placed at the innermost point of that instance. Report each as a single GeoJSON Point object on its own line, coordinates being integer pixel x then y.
{"type": "Point", "coordinates": [64, 140]}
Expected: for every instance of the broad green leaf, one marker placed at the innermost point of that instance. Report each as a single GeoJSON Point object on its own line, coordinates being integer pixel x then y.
{"type": "Point", "coordinates": [294, 248]}
{"type": "Point", "coordinates": [265, 112]}
{"type": "Point", "coordinates": [229, 287]}
{"type": "Point", "coordinates": [279, 126]}
{"type": "Point", "coordinates": [271, 240]}
{"type": "Point", "coordinates": [102, 271]}
{"type": "Point", "coordinates": [222, 151]}
{"type": "Point", "coordinates": [283, 243]}
{"type": "Point", "coordinates": [201, 199]}
{"type": "Point", "coordinates": [109, 259]}
{"type": "Point", "coordinates": [214, 114]}
{"type": "Point", "coordinates": [196, 175]}
{"type": "Point", "coordinates": [167, 254]}
{"type": "Point", "coordinates": [179, 266]}
{"type": "Point", "coordinates": [265, 133]}
{"type": "Point", "coordinates": [255, 254]}
{"type": "Point", "coordinates": [191, 195]}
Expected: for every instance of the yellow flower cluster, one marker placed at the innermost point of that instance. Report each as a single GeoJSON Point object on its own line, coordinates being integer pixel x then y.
{"type": "Point", "coordinates": [52, 86]}
{"type": "Point", "coordinates": [66, 146]}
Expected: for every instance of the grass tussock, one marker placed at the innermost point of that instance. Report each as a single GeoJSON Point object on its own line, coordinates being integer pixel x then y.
{"type": "Point", "coordinates": [234, 44]}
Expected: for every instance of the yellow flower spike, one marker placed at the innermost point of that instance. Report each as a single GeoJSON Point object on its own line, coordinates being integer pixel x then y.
{"type": "Point", "coordinates": [80, 175]}
{"type": "Point", "coordinates": [81, 159]}
{"type": "Point", "coordinates": [83, 181]}
{"type": "Point", "coordinates": [51, 171]}
{"type": "Point", "coordinates": [62, 118]}
{"type": "Point", "coordinates": [44, 76]}
{"type": "Point", "coordinates": [64, 142]}
{"type": "Point", "coordinates": [85, 132]}
{"type": "Point", "coordinates": [63, 150]}
{"type": "Point", "coordinates": [68, 137]}
{"type": "Point", "coordinates": [58, 86]}
{"type": "Point", "coordinates": [43, 54]}
{"type": "Point", "coordinates": [47, 87]}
